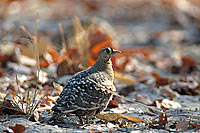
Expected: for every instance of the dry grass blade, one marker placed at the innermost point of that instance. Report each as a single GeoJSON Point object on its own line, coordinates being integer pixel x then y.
{"type": "Point", "coordinates": [62, 37]}
{"type": "Point", "coordinates": [13, 103]}
{"type": "Point", "coordinates": [26, 31]}
{"type": "Point", "coordinates": [27, 102]}
{"type": "Point", "coordinates": [21, 100]}
{"type": "Point", "coordinates": [38, 60]}
{"type": "Point", "coordinates": [11, 108]}
{"type": "Point", "coordinates": [78, 29]}
{"type": "Point", "coordinates": [16, 104]}
{"type": "Point", "coordinates": [36, 22]}
{"type": "Point", "coordinates": [82, 40]}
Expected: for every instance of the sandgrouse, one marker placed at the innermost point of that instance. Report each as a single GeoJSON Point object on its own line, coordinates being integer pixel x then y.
{"type": "Point", "coordinates": [88, 92]}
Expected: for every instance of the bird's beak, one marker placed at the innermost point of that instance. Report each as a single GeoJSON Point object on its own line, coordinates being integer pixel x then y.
{"type": "Point", "coordinates": [116, 51]}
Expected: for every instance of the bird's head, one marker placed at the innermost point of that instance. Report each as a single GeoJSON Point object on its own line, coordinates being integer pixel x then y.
{"type": "Point", "coordinates": [106, 53]}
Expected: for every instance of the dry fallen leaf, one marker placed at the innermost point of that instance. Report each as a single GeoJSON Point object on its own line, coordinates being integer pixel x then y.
{"type": "Point", "coordinates": [133, 119]}
{"type": "Point", "coordinates": [160, 81]}
{"type": "Point", "coordinates": [125, 91]}
{"type": "Point", "coordinates": [188, 66]}
{"type": "Point", "coordinates": [44, 107]}
{"type": "Point", "coordinates": [67, 67]}
{"type": "Point", "coordinates": [13, 104]}
{"type": "Point", "coordinates": [6, 53]}
{"type": "Point", "coordinates": [31, 50]}
{"type": "Point", "coordinates": [58, 87]}
{"type": "Point", "coordinates": [163, 122]}
{"type": "Point", "coordinates": [18, 128]}
{"type": "Point", "coordinates": [166, 104]}
{"type": "Point", "coordinates": [115, 116]}
{"type": "Point", "coordinates": [124, 78]}
{"type": "Point", "coordinates": [52, 99]}
{"type": "Point", "coordinates": [133, 51]}
{"type": "Point", "coordinates": [187, 86]}
{"type": "Point", "coordinates": [143, 98]}
{"type": "Point", "coordinates": [170, 104]}
{"type": "Point", "coordinates": [55, 56]}
{"type": "Point", "coordinates": [2, 73]}
{"type": "Point", "coordinates": [167, 91]}
{"type": "Point", "coordinates": [23, 59]}
{"type": "Point", "coordinates": [196, 125]}
{"type": "Point", "coordinates": [113, 104]}
{"type": "Point", "coordinates": [98, 40]}
{"type": "Point", "coordinates": [43, 63]}
{"type": "Point", "coordinates": [35, 117]}
{"type": "Point", "coordinates": [182, 125]}
{"type": "Point", "coordinates": [109, 116]}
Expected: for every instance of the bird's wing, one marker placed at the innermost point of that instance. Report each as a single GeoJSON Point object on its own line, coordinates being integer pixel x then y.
{"type": "Point", "coordinates": [84, 93]}
{"type": "Point", "coordinates": [102, 81]}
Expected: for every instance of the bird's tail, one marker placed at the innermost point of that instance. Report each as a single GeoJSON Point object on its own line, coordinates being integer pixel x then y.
{"type": "Point", "coordinates": [55, 117]}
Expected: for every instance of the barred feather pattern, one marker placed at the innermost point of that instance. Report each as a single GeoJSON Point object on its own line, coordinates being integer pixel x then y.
{"type": "Point", "coordinates": [81, 93]}
{"type": "Point", "coordinates": [88, 92]}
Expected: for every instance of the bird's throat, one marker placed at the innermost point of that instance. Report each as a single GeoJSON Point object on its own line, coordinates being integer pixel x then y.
{"type": "Point", "coordinates": [105, 66]}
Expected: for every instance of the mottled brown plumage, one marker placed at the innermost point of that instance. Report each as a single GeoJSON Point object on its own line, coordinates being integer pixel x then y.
{"type": "Point", "coordinates": [88, 92]}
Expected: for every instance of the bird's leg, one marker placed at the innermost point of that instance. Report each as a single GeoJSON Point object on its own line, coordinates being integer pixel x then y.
{"type": "Point", "coordinates": [87, 119]}
{"type": "Point", "coordinates": [80, 117]}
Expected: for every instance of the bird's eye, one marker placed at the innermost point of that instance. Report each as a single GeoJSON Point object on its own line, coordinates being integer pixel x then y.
{"type": "Point", "coordinates": [108, 50]}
